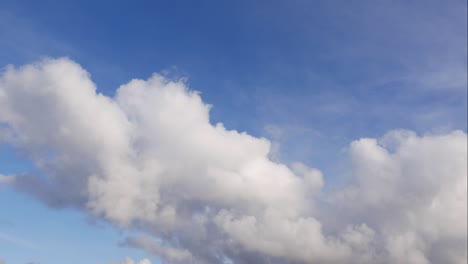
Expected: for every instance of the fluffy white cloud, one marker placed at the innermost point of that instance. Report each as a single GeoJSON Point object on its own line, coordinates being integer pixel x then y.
{"type": "Point", "coordinates": [148, 158]}
{"type": "Point", "coordinates": [413, 190]}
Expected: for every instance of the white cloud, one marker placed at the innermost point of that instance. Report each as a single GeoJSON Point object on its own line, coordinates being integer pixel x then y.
{"type": "Point", "coordinates": [171, 254]}
{"type": "Point", "coordinates": [415, 195]}
{"type": "Point", "coordinates": [149, 159]}
{"type": "Point", "coordinates": [131, 261]}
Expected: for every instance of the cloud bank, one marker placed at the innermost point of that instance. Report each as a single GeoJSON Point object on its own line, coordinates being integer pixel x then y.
{"type": "Point", "coordinates": [148, 159]}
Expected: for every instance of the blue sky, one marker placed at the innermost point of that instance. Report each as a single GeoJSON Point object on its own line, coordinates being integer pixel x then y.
{"type": "Point", "coordinates": [312, 76]}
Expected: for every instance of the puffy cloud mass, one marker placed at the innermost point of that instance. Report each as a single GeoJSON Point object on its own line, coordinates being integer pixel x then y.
{"type": "Point", "coordinates": [149, 159]}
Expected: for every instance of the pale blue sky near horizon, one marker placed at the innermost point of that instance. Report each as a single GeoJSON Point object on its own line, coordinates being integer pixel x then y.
{"type": "Point", "coordinates": [310, 75]}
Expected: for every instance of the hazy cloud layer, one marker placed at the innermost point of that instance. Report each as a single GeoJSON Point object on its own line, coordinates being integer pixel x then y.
{"type": "Point", "coordinates": [149, 159]}
{"type": "Point", "coordinates": [131, 261]}
{"type": "Point", "coordinates": [5, 179]}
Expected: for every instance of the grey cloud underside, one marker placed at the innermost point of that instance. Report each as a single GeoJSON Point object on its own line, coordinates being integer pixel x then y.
{"type": "Point", "coordinates": [149, 159]}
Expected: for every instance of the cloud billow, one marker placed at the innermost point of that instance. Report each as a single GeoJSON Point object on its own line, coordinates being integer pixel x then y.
{"type": "Point", "coordinates": [149, 159]}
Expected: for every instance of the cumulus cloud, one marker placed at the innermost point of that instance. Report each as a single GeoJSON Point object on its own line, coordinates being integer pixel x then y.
{"type": "Point", "coordinates": [149, 159]}
{"type": "Point", "coordinates": [414, 191]}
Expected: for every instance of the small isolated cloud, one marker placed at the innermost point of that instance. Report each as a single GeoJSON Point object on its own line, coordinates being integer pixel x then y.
{"type": "Point", "coordinates": [148, 159]}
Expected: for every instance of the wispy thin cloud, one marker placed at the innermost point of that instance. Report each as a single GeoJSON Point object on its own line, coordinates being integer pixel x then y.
{"type": "Point", "coordinates": [18, 241]}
